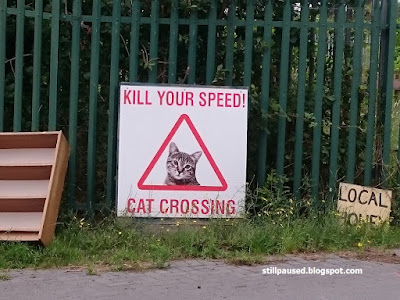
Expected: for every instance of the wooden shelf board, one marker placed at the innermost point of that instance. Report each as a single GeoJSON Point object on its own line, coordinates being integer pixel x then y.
{"type": "Point", "coordinates": [10, 140]}
{"type": "Point", "coordinates": [19, 236]}
{"type": "Point", "coordinates": [22, 205]}
{"type": "Point", "coordinates": [23, 189]}
{"type": "Point", "coordinates": [27, 157]}
{"type": "Point", "coordinates": [20, 221]}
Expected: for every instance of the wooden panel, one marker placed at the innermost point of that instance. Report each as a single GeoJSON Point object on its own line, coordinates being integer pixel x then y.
{"type": "Point", "coordinates": [25, 173]}
{"type": "Point", "coordinates": [22, 205]}
{"type": "Point", "coordinates": [28, 140]}
{"type": "Point", "coordinates": [57, 178]}
{"type": "Point", "coordinates": [20, 221]}
{"type": "Point", "coordinates": [23, 189]}
{"type": "Point", "coordinates": [19, 236]}
{"type": "Point", "coordinates": [27, 157]}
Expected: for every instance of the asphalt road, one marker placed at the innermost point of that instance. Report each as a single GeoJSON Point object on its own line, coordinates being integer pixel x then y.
{"type": "Point", "coordinates": [200, 279]}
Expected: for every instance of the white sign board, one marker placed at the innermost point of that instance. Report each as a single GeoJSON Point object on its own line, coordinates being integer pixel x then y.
{"type": "Point", "coordinates": [370, 204]}
{"type": "Point", "coordinates": [182, 151]}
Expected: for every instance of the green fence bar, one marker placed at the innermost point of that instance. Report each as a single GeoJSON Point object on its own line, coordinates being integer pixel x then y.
{"type": "Point", "coordinates": [3, 24]}
{"type": "Point", "coordinates": [265, 75]}
{"type": "Point", "coordinates": [155, 11]}
{"type": "Point", "coordinates": [19, 65]}
{"type": "Point", "coordinates": [73, 100]}
{"type": "Point", "coordinates": [230, 39]}
{"type": "Point", "coordinates": [319, 97]}
{"type": "Point", "coordinates": [392, 14]}
{"type": "Point", "coordinates": [212, 31]}
{"type": "Point", "coordinates": [227, 23]}
{"type": "Point", "coordinates": [357, 55]}
{"type": "Point", "coordinates": [248, 46]}
{"type": "Point", "coordinates": [53, 89]}
{"type": "Point", "coordinates": [112, 102]}
{"type": "Point", "coordinates": [93, 95]}
{"type": "Point", "coordinates": [372, 88]}
{"type": "Point", "coordinates": [283, 88]}
{"type": "Point", "coordinates": [37, 61]}
{"type": "Point", "coordinates": [337, 90]}
{"type": "Point", "coordinates": [134, 41]}
{"type": "Point", "coordinates": [301, 91]}
{"type": "Point", "coordinates": [193, 19]}
{"type": "Point", "coordinates": [173, 42]}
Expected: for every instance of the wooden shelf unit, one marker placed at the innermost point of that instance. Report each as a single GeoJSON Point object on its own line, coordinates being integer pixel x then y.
{"type": "Point", "coordinates": [32, 173]}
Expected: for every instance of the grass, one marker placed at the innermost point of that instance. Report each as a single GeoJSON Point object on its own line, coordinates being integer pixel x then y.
{"type": "Point", "coordinates": [115, 246]}
{"type": "Point", "coordinates": [4, 277]}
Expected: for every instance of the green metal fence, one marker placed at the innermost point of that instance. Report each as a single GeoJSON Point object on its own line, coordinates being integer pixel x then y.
{"type": "Point", "coordinates": [319, 74]}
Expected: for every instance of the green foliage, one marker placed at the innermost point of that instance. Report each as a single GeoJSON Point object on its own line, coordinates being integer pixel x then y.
{"type": "Point", "coordinates": [259, 121]}
{"type": "Point", "coordinates": [397, 52]}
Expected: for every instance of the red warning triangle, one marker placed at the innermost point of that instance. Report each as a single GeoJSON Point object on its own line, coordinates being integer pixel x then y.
{"type": "Point", "coordinates": [164, 145]}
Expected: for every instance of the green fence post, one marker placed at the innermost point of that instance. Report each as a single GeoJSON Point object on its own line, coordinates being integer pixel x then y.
{"type": "Point", "coordinates": [134, 41]}
{"type": "Point", "coordinates": [248, 46]}
{"type": "Point", "coordinates": [388, 92]}
{"type": "Point", "coordinates": [193, 20]}
{"type": "Point", "coordinates": [3, 26]}
{"type": "Point", "coordinates": [93, 95]}
{"type": "Point", "coordinates": [355, 85]}
{"type": "Point", "coordinates": [112, 102]}
{"type": "Point", "coordinates": [53, 88]}
{"type": "Point", "coordinates": [37, 61]}
{"type": "Point", "coordinates": [337, 90]}
{"type": "Point", "coordinates": [155, 11]}
{"type": "Point", "coordinates": [373, 72]}
{"type": "Point", "coordinates": [319, 98]}
{"type": "Point", "coordinates": [211, 37]}
{"type": "Point", "coordinates": [19, 65]}
{"type": "Point", "coordinates": [283, 87]}
{"type": "Point", "coordinates": [173, 42]}
{"type": "Point", "coordinates": [73, 101]}
{"type": "Point", "coordinates": [265, 84]}
{"type": "Point", "coordinates": [301, 91]}
{"type": "Point", "coordinates": [230, 40]}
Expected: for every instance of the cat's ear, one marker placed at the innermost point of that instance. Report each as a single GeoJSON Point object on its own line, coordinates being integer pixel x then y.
{"type": "Point", "coordinates": [196, 156]}
{"type": "Point", "coordinates": [173, 148]}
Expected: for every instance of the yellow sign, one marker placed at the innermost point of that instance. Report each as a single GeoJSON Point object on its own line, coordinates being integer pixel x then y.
{"type": "Point", "coordinates": [358, 202]}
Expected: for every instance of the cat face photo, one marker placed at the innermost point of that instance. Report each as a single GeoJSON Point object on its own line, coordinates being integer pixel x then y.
{"type": "Point", "coordinates": [181, 167]}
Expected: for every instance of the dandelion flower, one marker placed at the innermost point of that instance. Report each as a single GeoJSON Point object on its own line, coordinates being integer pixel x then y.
{"type": "Point", "coordinates": [194, 221]}
{"type": "Point", "coordinates": [120, 233]}
{"type": "Point", "coordinates": [359, 244]}
{"type": "Point", "coordinates": [204, 227]}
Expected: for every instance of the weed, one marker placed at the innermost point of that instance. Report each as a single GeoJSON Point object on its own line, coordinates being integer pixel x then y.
{"type": "Point", "coordinates": [91, 271]}
{"type": "Point", "coordinates": [4, 277]}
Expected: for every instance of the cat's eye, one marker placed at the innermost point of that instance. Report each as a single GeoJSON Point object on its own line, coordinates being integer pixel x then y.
{"type": "Point", "coordinates": [187, 167]}
{"type": "Point", "coordinates": [175, 162]}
